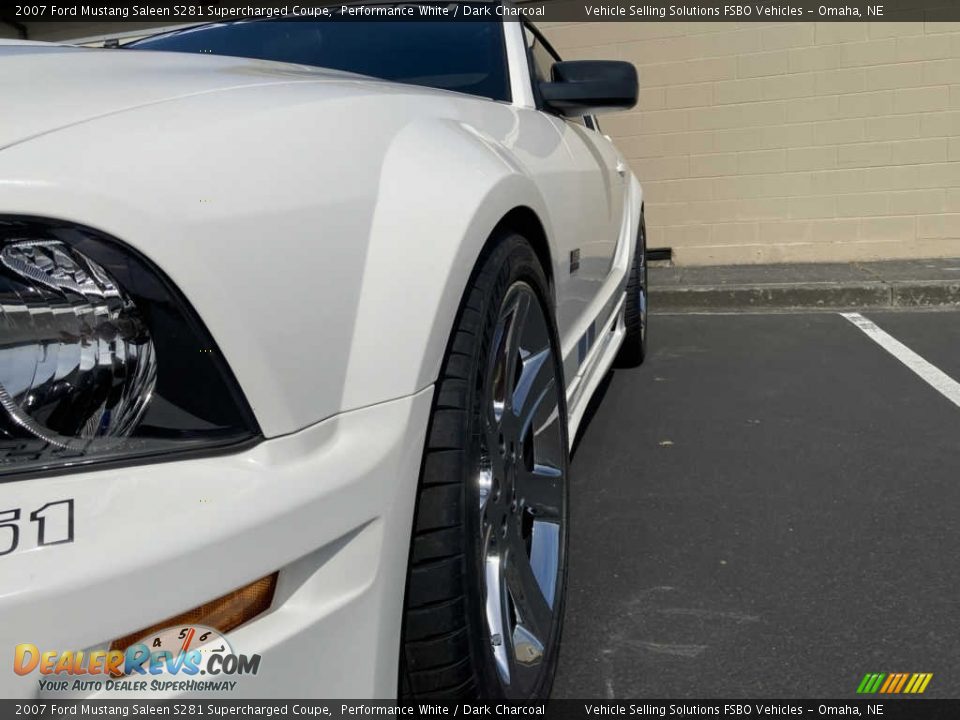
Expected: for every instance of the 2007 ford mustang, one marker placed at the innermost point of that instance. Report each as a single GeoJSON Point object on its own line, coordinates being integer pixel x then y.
{"type": "Point", "coordinates": [298, 320]}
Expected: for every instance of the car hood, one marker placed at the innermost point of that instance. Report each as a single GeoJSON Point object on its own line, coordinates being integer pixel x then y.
{"type": "Point", "coordinates": [47, 87]}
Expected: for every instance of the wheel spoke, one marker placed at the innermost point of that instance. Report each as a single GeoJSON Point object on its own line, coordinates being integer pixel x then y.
{"type": "Point", "coordinates": [512, 346]}
{"type": "Point", "coordinates": [537, 379]}
{"type": "Point", "coordinates": [541, 491]}
{"type": "Point", "coordinates": [493, 575]}
{"type": "Point", "coordinates": [525, 657]}
{"type": "Point", "coordinates": [497, 372]}
{"type": "Point", "coordinates": [521, 310]}
{"type": "Point", "coordinates": [506, 344]}
{"type": "Point", "coordinates": [533, 611]}
{"type": "Point", "coordinates": [545, 557]}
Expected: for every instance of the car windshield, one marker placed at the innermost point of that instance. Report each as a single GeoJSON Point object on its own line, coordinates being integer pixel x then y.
{"type": "Point", "coordinates": [467, 57]}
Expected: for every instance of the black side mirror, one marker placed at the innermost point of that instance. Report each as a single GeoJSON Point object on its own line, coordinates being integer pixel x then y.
{"type": "Point", "coordinates": [585, 87]}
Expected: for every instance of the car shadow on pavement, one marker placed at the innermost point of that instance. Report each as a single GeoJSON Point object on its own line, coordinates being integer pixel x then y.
{"type": "Point", "coordinates": [591, 410]}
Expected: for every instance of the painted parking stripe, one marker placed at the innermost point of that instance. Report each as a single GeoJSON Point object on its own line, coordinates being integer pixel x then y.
{"type": "Point", "coordinates": [931, 374]}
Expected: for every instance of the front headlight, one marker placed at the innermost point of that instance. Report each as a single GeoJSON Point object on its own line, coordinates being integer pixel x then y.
{"type": "Point", "coordinates": [76, 360]}
{"type": "Point", "coordinates": [101, 359]}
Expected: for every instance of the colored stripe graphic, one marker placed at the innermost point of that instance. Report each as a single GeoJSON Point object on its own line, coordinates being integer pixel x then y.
{"type": "Point", "coordinates": [870, 683]}
{"type": "Point", "coordinates": [894, 683]}
{"type": "Point", "coordinates": [903, 679]}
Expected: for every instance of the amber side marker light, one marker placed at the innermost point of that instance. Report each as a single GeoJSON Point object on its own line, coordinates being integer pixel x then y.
{"type": "Point", "coordinates": [223, 614]}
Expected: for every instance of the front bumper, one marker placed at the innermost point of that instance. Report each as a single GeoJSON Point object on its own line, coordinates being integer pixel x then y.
{"type": "Point", "coordinates": [330, 507]}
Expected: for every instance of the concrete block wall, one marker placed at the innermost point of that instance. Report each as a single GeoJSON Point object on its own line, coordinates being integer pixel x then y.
{"type": "Point", "coordinates": [794, 142]}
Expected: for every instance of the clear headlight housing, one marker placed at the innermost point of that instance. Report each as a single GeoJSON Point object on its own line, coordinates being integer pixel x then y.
{"type": "Point", "coordinates": [101, 359]}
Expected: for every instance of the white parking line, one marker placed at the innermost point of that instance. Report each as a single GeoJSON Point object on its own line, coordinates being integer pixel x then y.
{"type": "Point", "coordinates": [931, 374]}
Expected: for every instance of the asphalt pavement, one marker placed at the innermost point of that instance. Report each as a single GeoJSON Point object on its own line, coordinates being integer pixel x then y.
{"type": "Point", "coordinates": [768, 507]}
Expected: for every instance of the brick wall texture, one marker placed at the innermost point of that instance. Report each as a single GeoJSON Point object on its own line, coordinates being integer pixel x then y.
{"type": "Point", "coordinates": [799, 142]}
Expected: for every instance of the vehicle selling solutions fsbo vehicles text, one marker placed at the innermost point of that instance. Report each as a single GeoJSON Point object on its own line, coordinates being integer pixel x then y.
{"type": "Point", "coordinates": [730, 11]}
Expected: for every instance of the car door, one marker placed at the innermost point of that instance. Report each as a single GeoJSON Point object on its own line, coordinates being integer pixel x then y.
{"type": "Point", "coordinates": [589, 197]}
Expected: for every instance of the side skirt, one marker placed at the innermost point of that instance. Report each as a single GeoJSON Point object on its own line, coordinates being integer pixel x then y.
{"type": "Point", "coordinates": [602, 351]}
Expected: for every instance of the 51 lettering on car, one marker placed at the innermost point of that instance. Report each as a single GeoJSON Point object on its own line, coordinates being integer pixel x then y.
{"type": "Point", "coordinates": [53, 525]}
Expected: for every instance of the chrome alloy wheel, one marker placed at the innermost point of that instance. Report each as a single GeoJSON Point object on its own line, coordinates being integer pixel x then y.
{"type": "Point", "coordinates": [522, 483]}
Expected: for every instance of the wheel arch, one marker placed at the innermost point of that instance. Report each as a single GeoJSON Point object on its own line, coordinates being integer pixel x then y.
{"type": "Point", "coordinates": [526, 222]}
{"type": "Point", "coordinates": [432, 224]}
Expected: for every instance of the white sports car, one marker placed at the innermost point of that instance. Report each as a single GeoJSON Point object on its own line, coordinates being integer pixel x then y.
{"type": "Point", "coordinates": [298, 320]}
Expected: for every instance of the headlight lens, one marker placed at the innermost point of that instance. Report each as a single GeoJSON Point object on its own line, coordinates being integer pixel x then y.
{"type": "Point", "coordinates": [100, 356]}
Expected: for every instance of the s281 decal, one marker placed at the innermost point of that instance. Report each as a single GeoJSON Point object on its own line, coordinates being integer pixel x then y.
{"type": "Point", "coordinates": [52, 523]}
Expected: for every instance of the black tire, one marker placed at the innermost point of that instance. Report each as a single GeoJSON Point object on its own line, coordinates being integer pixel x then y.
{"type": "Point", "coordinates": [634, 348]}
{"type": "Point", "coordinates": [448, 649]}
